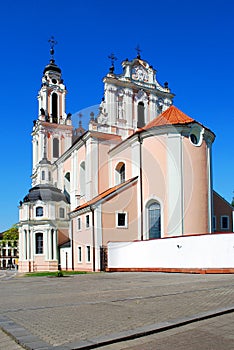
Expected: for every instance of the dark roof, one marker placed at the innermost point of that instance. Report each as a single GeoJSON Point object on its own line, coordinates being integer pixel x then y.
{"type": "Point", "coordinates": [52, 66]}
{"type": "Point", "coordinates": [45, 193]}
{"type": "Point", "coordinates": [44, 161]}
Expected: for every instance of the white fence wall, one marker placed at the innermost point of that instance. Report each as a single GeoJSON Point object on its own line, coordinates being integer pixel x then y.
{"type": "Point", "coordinates": [204, 251]}
{"type": "Point", "coordinates": [66, 258]}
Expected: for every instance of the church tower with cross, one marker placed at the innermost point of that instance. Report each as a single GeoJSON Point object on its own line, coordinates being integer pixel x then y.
{"type": "Point", "coordinates": [43, 212]}
{"type": "Point", "coordinates": [52, 131]}
{"type": "Point", "coordinates": [131, 99]}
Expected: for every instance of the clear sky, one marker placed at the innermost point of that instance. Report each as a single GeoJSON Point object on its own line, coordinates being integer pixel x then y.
{"type": "Point", "coordinates": [189, 43]}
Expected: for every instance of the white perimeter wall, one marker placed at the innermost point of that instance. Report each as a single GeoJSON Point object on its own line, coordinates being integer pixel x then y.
{"type": "Point", "coordinates": [205, 251]}
{"type": "Point", "coordinates": [63, 258]}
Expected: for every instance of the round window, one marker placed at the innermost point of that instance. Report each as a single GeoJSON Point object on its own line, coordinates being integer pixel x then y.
{"type": "Point", "coordinates": [54, 81]}
{"type": "Point", "coordinates": [194, 139]}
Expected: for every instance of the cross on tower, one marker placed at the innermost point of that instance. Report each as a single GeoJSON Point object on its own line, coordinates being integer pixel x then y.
{"type": "Point", "coordinates": [52, 42]}
{"type": "Point", "coordinates": [138, 50]}
{"type": "Point", "coordinates": [113, 59]}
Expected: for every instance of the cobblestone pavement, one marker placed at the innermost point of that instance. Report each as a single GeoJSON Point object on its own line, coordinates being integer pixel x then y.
{"type": "Point", "coordinates": [79, 311]}
{"type": "Point", "coordinates": [213, 334]}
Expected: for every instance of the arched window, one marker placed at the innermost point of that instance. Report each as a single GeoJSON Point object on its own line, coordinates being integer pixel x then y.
{"type": "Point", "coordinates": [55, 107]}
{"type": "Point", "coordinates": [39, 242]}
{"type": "Point", "coordinates": [39, 211]}
{"type": "Point", "coordinates": [154, 220]}
{"type": "Point", "coordinates": [120, 173]}
{"type": "Point", "coordinates": [43, 175]}
{"type": "Point", "coordinates": [140, 115]}
{"type": "Point", "coordinates": [82, 178]}
{"type": "Point", "coordinates": [55, 148]}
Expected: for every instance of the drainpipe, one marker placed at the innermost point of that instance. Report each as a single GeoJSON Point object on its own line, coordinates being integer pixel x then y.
{"type": "Point", "coordinates": [141, 185]}
{"type": "Point", "coordinates": [93, 237]}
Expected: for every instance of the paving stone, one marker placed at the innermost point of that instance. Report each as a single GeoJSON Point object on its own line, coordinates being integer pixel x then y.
{"type": "Point", "coordinates": [86, 309]}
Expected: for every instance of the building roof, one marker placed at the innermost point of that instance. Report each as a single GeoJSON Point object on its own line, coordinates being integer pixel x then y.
{"type": "Point", "coordinates": [171, 116]}
{"type": "Point", "coordinates": [45, 193]}
{"type": "Point", "coordinates": [105, 194]}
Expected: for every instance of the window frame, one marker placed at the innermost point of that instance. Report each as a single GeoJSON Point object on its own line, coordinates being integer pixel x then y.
{"type": "Point", "coordinates": [36, 211]}
{"type": "Point", "coordinates": [79, 224]}
{"type": "Point", "coordinates": [79, 254]}
{"type": "Point", "coordinates": [117, 219]}
{"type": "Point", "coordinates": [39, 243]}
{"type": "Point", "coordinates": [221, 222]}
{"type": "Point", "coordinates": [87, 222]}
{"type": "Point", "coordinates": [214, 223]}
{"type": "Point", "coordinates": [88, 254]}
{"type": "Point", "coordinates": [61, 210]}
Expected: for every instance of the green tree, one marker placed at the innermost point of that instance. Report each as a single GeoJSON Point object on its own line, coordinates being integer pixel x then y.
{"type": "Point", "coordinates": [11, 235]}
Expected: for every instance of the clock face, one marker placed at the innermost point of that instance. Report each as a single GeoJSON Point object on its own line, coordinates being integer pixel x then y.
{"type": "Point", "coordinates": [140, 74]}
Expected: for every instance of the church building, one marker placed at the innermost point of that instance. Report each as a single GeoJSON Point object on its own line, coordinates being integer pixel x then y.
{"type": "Point", "coordinates": [142, 171]}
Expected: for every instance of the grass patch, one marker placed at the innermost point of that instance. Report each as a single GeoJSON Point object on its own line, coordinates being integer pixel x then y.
{"type": "Point", "coordinates": [55, 273]}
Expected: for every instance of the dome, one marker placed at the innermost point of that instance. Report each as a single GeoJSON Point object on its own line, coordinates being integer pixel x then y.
{"type": "Point", "coordinates": [45, 193]}
{"type": "Point", "coordinates": [52, 66]}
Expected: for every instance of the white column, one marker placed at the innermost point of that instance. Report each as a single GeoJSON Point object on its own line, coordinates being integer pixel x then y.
{"type": "Point", "coordinates": [49, 250]}
{"type": "Point", "coordinates": [55, 244]}
{"type": "Point", "coordinates": [28, 245]}
{"type": "Point", "coordinates": [136, 172]}
{"type": "Point", "coordinates": [210, 187]}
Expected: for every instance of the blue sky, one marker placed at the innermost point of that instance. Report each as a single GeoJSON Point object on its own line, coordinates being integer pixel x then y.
{"type": "Point", "coordinates": [189, 43]}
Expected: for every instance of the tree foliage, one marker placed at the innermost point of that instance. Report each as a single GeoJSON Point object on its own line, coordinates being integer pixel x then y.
{"type": "Point", "coordinates": [11, 235]}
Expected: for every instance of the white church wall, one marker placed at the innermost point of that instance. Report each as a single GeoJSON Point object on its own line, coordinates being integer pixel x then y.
{"type": "Point", "coordinates": [204, 251]}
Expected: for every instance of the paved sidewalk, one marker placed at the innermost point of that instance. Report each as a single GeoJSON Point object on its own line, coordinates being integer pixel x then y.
{"type": "Point", "coordinates": [214, 334]}
{"type": "Point", "coordinates": [85, 310]}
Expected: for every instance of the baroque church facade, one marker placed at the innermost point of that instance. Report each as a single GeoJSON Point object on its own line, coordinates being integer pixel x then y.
{"type": "Point", "coordinates": [141, 171]}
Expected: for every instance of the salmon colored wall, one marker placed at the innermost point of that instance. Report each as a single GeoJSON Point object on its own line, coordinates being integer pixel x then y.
{"type": "Point", "coordinates": [82, 238]}
{"type": "Point", "coordinates": [103, 175]}
{"type": "Point", "coordinates": [67, 166]}
{"type": "Point", "coordinates": [122, 156]}
{"type": "Point", "coordinates": [195, 177]}
{"type": "Point", "coordinates": [125, 201]}
{"type": "Point", "coordinates": [221, 207]}
{"type": "Point", "coordinates": [154, 159]}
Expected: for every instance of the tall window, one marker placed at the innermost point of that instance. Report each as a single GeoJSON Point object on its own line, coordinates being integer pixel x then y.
{"type": "Point", "coordinates": [154, 220]}
{"type": "Point", "coordinates": [55, 107]}
{"type": "Point", "coordinates": [61, 213]}
{"type": "Point", "coordinates": [82, 178]}
{"type": "Point", "coordinates": [39, 243]}
{"type": "Point", "coordinates": [140, 115]}
{"type": "Point", "coordinates": [79, 254]}
{"type": "Point", "coordinates": [120, 173]}
{"type": "Point", "coordinates": [224, 222]}
{"type": "Point", "coordinates": [88, 253]}
{"type": "Point", "coordinates": [87, 221]}
{"type": "Point", "coordinates": [43, 175]}
{"type": "Point", "coordinates": [55, 148]}
{"type": "Point", "coordinates": [121, 220]}
{"type": "Point", "coordinates": [79, 224]}
{"type": "Point", "coordinates": [39, 211]}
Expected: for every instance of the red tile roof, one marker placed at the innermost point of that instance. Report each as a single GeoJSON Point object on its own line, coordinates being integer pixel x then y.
{"type": "Point", "coordinates": [172, 115]}
{"type": "Point", "coordinates": [104, 194]}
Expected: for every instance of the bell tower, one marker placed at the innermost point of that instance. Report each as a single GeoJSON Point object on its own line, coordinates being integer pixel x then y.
{"type": "Point", "coordinates": [52, 131]}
